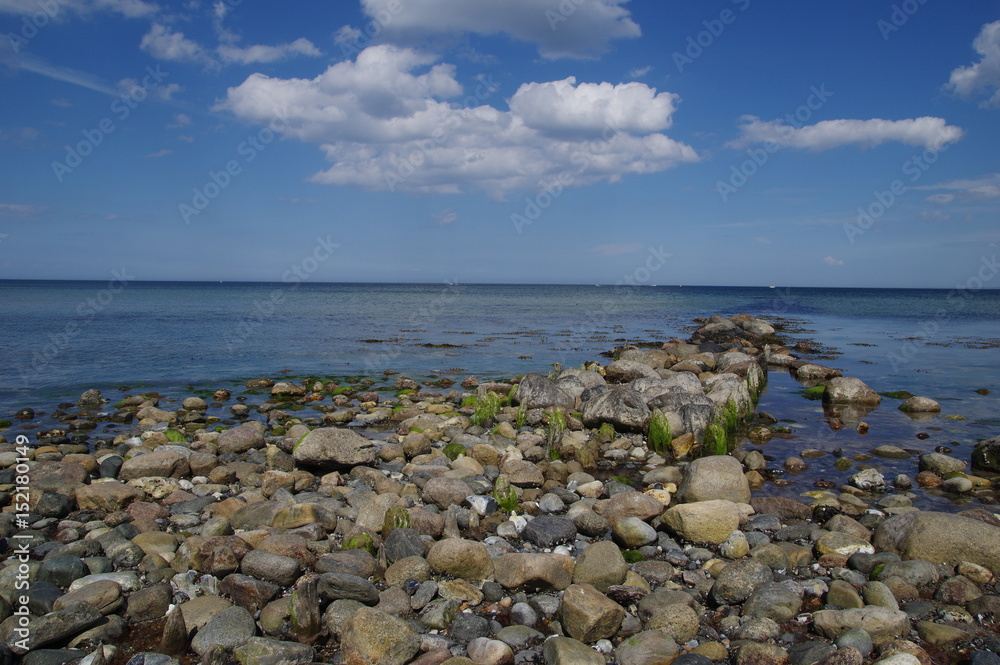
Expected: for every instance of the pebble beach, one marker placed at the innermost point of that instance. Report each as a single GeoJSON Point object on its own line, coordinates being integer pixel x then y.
{"type": "Point", "coordinates": [624, 511]}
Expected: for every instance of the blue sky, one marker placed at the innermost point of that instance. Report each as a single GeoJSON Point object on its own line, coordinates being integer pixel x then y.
{"type": "Point", "coordinates": [567, 141]}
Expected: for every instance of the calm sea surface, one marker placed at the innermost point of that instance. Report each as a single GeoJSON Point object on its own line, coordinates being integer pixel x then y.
{"type": "Point", "coordinates": [60, 338]}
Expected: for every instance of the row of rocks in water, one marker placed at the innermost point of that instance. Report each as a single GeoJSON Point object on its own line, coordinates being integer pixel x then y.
{"type": "Point", "coordinates": [299, 540]}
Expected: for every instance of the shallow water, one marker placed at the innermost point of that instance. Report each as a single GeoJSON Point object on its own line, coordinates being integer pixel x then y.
{"type": "Point", "coordinates": [60, 338]}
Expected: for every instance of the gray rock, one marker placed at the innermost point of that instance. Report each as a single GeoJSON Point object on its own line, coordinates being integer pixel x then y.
{"type": "Point", "coordinates": [230, 628]}
{"type": "Point", "coordinates": [240, 439]}
{"type": "Point", "coordinates": [402, 543]}
{"type": "Point", "coordinates": [91, 400]}
{"type": "Point", "coordinates": [986, 455]}
{"type": "Point", "coordinates": [739, 579]}
{"type": "Point", "coordinates": [537, 392]}
{"type": "Point", "coordinates": [588, 615]}
{"type": "Point", "coordinates": [270, 567]}
{"type": "Point", "coordinates": [336, 586]}
{"type": "Point", "coordinates": [371, 636]}
{"type": "Point", "coordinates": [857, 638]}
{"type": "Point", "coordinates": [549, 531]}
{"type": "Point", "coordinates": [440, 613]}
{"type": "Point", "coordinates": [568, 651]}
{"type": "Point", "coordinates": [601, 565]}
{"type": "Point", "coordinates": [940, 538]}
{"type": "Point", "coordinates": [647, 648]}
{"type": "Point", "coordinates": [624, 408]}
{"type": "Point", "coordinates": [850, 390]}
{"type": "Point", "coordinates": [264, 651]}
{"type": "Point", "coordinates": [942, 465]}
{"type": "Point", "coordinates": [632, 532]}
{"type": "Point", "coordinates": [333, 447]}
{"type": "Point", "coordinates": [467, 627]}
{"type": "Point", "coordinates": [62, 571]}
{"type": "Point", "coordinates": [920, 405]}
{"type": "Point", "coordinates": [624, 371]}
{"type": "Point", "coordinates": [780, 601]}
{"type": "Point", "coordinates": [55, 627]}
{"type": "Point", "coordinates": [881, 623]}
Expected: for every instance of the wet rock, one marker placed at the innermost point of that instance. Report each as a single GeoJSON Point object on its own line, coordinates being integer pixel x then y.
{"type": "Point", "coordinates": [850, 390]}
{"type": "Point", "coordinates": [336, 586]}
{"type": "Point", "coordinates": [779, 601]}
{"type": "Point", "coordinates": [270, 567]}
{"type": "Point", "coordinates": [91, 400]}
{"type": "Point", "coordinates": [920, 405]}
{"type": "Point", "coordinates": [986, 455]}
{"type": "Point", "coordinates": [240, 439]}
{"type": "Point", "coordinates": [485, 651]}
{"type": "Point", "coordinates": [942, 465]}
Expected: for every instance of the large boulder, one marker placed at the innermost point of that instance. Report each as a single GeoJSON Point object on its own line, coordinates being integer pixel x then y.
{"type": "Point", "coordinates": [537, 392]}
{"type": "Point", "coordinates": [333, 447]}
{"type": "Point", "coordinates": [986, 455]}
{"type": "Point", "coordinates": [714, 477]}
{"type": "Point", "coordinates": [624, 408]}
{"type": "Point", "coordinates": [940, 538]}
{"type": "Point", "coordinates": [623, 371]}
{"type": "Point", "coordinates": [850, 390]}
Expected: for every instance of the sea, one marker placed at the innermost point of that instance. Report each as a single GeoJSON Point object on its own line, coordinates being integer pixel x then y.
{"type": "Point", "coordinates": [59, 338]}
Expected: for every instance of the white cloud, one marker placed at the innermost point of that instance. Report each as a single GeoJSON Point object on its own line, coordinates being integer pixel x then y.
{"type": "Point", "coordinates": [830, 261]}
{"type": "Point", "coordinates": [53, 8]}
{"type": "Point", "coordinates": [445, 217]}
{"type": "Point", "coordinates": [164, 44]}
{"type": "Point", "coordinates": [560, 28]}
{"type": "Point", "coordinates": [62, 102]}
{"type": "Point", "coordinates": [160, 153]}
{"type": "Point", "coordinates": [259, 53]}
{"type": "Point", "coordinates": [931, 133]}
{"type": "Point", "coordinates": [639, 72]}
{"type": "Point", "coordinates": [763, 240]}
{"type": "Point", "coordinates": [564, 108]}
{"type": "Point", "coordinates": [346, 34]}
{"type": "Point", "coordinates": [941, 198]}
{"type": "Point", "coordinates": [36, 65]}
{"type": "Point", "coordinates": [20, 210]}
{"type": "Point", "coordinates": [982, 76]}
{"type": "Point", "coordinates": [983, 187]}
{"type": "Point", "coordinates": [180, 120]}
{"type": "Point", "coordinates": [384, 123]}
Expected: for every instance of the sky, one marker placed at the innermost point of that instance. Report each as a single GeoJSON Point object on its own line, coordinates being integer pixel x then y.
{"type": "Point", "coordinates": [725, 142]}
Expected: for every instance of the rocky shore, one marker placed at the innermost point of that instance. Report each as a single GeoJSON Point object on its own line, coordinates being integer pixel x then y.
{"type": "Point", "coordinates": [601, 514]}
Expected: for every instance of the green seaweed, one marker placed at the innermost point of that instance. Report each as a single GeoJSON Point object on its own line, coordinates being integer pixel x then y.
{"type": "Point", "coordinates": [175, 437]}
{"type": "Point", "coordinates": [815, 392]}
{"type": "Point", "coordinates": [487, 409]}
{"type": "Point", "coordinates": [5, 423]}
{"type": "Point", "coordinates": [471, 400]}
{"type": "Point", "coordinates": [897, 394]}
{"type": "Point", "coordinates": [633, 556]}
{"type": "Point", "coordinates": [362, 541]}
{"type": "Point", "coordinates": [521, 416]}
{"type": "Point", "coordinates": [396, 517]}
{"type": "Point", "coordinates": [716, 440]}
{"type": "Point", "coordinates": [659, 436]}
{"type": "Point", "coordinates": [505, 494]}
{"type": "Point", "coordinates": [606, 434]}
{"type": "Point", "coordinates": [453, 450]}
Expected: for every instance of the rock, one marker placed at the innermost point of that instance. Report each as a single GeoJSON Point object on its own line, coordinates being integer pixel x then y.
{"type": "Point", "coordinates": [588, 615]}
{"type": "Point", "coordinates": [868, 480]}
{"type": "Point", "coordinates": [624, 371]}
{"type": "Point", "coordinates": [537, 392]}
{"type": "Point", "coordinates": [600, 565]}
{"type": "Point", "coordinates": [260, 650]}
{"type": "Point", "coordinates": [270, 567]}
{"type": "Point", "coordinates": [240, 439]}
{"type": "Point", "coordinates": [484, 651]}
{"type": "Point", "coordinates": [986, 455]}
{"type": "Point", "coordinates": [650, 647]}
{"type": "Point", "coordinates": [629, 504]}
{"type": "Point", "coordinates": [159, 463]}
{"type": "Point", "coordinates": [938, 635]}
{"type": "Point", "coordinates": [857, 639]}
{"type": "Point", "coordinates": [677, 621]}
{"type": "Point", "coordinates": [843, 595]}
{"type": "Point", "coordinates": [850, 390]}
{"type": "Point", "coordinates": [632, 532]}
{"type": "Point", "coordinates": [940, 538]}
{"type": "Point", "coordinates": [55, 627]}
{"type": "Point", "coordinates": [91, 400]}
{"type": "Point", "coordinates": [567, 651]}
{"type": "Point", "coordinates": [703, 522]}
{"type": "Point", "coordinates": [942, 465]}
{"type": "Point", "coordinates": [535, 571]}
{"type": "Point", "coordinates": [104, 596]}
{"type": "Point", "coordinates": [467, 559]}
{"type": "Point", "coordinates": [837, 542]}
{"type": "Point", "coordinates": [549, 531]}
{"type": "Point", "coordinates": [881, 623]}
{"type": "Point", "coordinates": [920, 405]}
{"type": "Point", "coordinates": [109, 496]}
{"type": "Point", "coordinates": [338, 586]}
{"type": "Point", "coordinates": [370, 636]}
{"type": "Point", "coordinates": [738, 580]}
{"type": "Point", "coordinates": [230, 628]}
{"type": "Point", "coordinates": [714, 477]}
{"type": "Point", "coordinates": [333, 447]}
{"type": "Point", "coordinates": [444, 492]}
{"type": "Point", "coordinates": [779, 601]}
{"type": "Point", "coordinates": [522, 473]}
{"type": "Point", "coordinates": [286, 389]}
{"type": "Point", "coordinates": [750, 653]}
{"type": "Point", "coordinates": [624, 408]}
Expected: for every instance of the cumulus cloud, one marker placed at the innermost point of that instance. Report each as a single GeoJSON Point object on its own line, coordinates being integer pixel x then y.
{"type": "Point", "coordinates": [385, 122]}
{"type": "Point", "coordinates": [982, 77]}
{"type": "Point", "coordinates": [931, 133]}
{"type": "Point", "coordinates": [830, 261]}
{"type": "Point", "coordinates": [559, 28]}
{"type": "Point", "coordinates": [127, 8]}
{"type": "Point", "coordinates": [259, 53]}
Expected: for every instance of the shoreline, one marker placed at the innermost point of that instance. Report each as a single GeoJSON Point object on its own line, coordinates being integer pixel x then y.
{"type": "Point", "coordinates": [610, 455]}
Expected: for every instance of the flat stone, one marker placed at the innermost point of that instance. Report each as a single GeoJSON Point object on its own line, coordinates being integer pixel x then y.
{"type": "Point", "coordinates": [703, 522]}
{"type": "Point", "coordinates": [334, 447]}
{"type": "Point", "coordinates": [55, 627]}
{"type": "Point", "coordinates": [534, 571]}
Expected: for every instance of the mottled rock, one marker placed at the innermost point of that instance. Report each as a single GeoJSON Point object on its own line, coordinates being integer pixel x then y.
{"type": "Point", "coordinates": [534, 571]}
{"type": "Point", "coordinates": [467, 559]}
{"type": "Point", "coordinates": [881, 623]}
{"type": "Point", "coordinates": [334, 447]}
{"type": "Point", "coordinates": [370, 636]}
{"type": "Point", "coordinates": [588, 615]}
{"type": "Point", "coordinates": [600, 565]}
{"type": "Point", "coordinates": [940, 538]}
{"type": "Point", "coordinates": [714, 477]}
{"type": "Point", "coordinates": [703, 522]}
